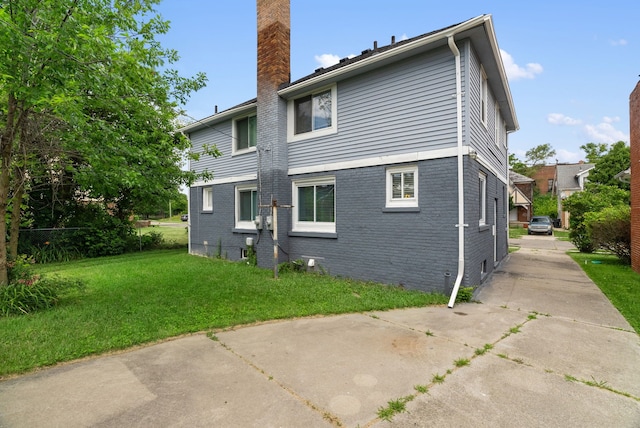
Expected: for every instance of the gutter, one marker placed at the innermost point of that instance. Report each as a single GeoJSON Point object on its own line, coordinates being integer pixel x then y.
{"type": "Point", "coordinates": [460, 225]}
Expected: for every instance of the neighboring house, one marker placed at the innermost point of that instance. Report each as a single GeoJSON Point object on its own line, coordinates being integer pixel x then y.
{"type": "Point", "coordinates": [521, 196]}
{"type": "Point", "coordinates": [570, 178]}
{"type": "Point", "coordinates": [390, 166]}
{"type": "Point", "coordinates": [545, 179]}
{"type": "Point", "coordinates": [634, 175]}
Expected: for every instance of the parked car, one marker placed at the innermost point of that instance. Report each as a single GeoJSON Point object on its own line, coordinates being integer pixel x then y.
{"type": "Point", "coordinates": [184, 217]}
{"type": "Point", "coordinates": [540, 224]}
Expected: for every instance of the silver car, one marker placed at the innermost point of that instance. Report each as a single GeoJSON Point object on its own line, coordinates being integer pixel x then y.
{"type": "Point", "coordinates": [540, 224]}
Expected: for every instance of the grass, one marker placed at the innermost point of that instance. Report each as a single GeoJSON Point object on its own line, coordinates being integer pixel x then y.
{"type": "Point", "coordinates": [617, 281]}
{"type": "Point", "coordinates": [172, 234]}
{"type": "Point", "coordinates": [145, 297]}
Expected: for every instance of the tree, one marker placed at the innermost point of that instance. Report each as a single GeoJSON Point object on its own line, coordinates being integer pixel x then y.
{"type": "Point", "coordinates": [538, 155]}
{"type": "Point", "coordinates": [516, 165]}
{"type": "Point", "coordinates": [616, 160]}
{"type": "Point", "coordinates": [93, 67]}
{"type": "Point", "coordinates": [594, 151]}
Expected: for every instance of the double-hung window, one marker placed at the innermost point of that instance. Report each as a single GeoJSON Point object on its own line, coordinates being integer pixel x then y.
{"type": "Point", "coordinates": [207, 199]}
{"type": "Point", "coordinates": [484, 97]}
{"type": "Point", "coordinates": [482, 199]}
{"type": "Point", "coordinates": [245, 133]}
{"type": "Point", "coordinates": [313, 114]}
{"type": "Point", "coordinates": [402, 186]}
{"type": "Point", "coordinates": [314, 202]}
{"type": "Point", "coordinates": [246, 206]}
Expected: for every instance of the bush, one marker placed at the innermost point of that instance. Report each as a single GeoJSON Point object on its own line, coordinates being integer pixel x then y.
{"type": "Point", "coordinates": [28, 292]}
{"type": "Point", "coordinates": [610, 229]}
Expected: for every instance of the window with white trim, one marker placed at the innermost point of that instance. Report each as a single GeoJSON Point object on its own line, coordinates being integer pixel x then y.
{"type": "Point", "coordinates": [314, 205]}
{"type": "Point", "coordinates": [402, 186]}
{"type": "Point", "coordinates": [245, 133]}
{"type": "Point", "coordinates": [484, 94]}
{"type": "Point", "coordinates": [313, 114]}
{"type": "Point", "coordinates": [482, 199]}
{"type": "Point", "coordinates": [496, 125]}
{"type": "Point", "coordinates": [246, 206]}
{"type": "Point", "coordinates": [207, 199]}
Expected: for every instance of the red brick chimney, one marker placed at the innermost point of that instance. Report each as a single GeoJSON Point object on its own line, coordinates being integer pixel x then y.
{"type": "Point", "coordinates": [634, 119]}
{"type": "Point", "coordinates": [274, 30]}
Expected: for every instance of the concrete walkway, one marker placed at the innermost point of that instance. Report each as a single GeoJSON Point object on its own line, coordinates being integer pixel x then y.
{"type": "Point", "coordinates": [560, 356]}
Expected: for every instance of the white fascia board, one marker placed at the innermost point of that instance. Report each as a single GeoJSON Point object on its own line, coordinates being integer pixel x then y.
{"type": "Point", "coordinates": [226, 180]}
{"type": "Point", "coordinates": [216, 118]}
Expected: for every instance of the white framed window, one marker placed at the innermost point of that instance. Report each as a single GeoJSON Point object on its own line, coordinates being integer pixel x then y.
{"type": "Point", "coordinates": [246, 206]}
{"type": "Point", "coordinates": [207, 199]}
{"type": "Point", "coordinates": [402, 186]}
{"type": "Point", "coordinates": [482, 199]}
{"type": "Point", "coordinates": [314, 205]}
{"type": "Point", "coordinates": [313, 114]}
{"type": "Point", "coordinates": [245, 134]}
{"type": "Point", "coordinates": [484, 95]}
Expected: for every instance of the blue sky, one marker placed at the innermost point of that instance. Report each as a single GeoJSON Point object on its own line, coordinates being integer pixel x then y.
{"type": "Point", "coordinates": [571, 64]}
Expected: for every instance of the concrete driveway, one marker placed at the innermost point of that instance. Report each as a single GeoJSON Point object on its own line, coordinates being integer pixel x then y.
{"type": "Point", "coordinates": [558, 354]}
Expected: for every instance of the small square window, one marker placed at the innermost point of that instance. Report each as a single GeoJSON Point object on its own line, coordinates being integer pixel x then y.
{"type": "Point", "coordinates": [402, 187]}
{"type": "Point", "coordinates": [207, 199]}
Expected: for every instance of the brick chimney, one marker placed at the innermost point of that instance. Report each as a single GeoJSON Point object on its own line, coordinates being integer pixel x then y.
{"type": "Point", "coordinates": [274, 30]}
{"type": "Point", "coordinates": [634, 125]}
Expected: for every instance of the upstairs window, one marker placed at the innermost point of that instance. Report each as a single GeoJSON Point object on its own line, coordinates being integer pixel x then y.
{"type": "Point", "coordinates": [313, 115]}
{"type": "Point", "coordinates": [246, 133]}
{"type": "Point", "coordinates": [484, 94]}
{"type": "Point", "coordinates": [402, 187]}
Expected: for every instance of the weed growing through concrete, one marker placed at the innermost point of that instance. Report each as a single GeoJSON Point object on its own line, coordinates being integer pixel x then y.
{"type": "Point", "coordinates": [211, 335]}
{"type": "Point", "coordinates": [422, 389]}
{"type": "Point", "coordinates": [484, 349]}
{"type": "Point", "coordinates": [428, 333]}
{"type": "Point", "coordinates": [437, 378]}
{"type": "Point", "coordinates": [461, 362]}
{"type": "Point", "coordinates": [394, 407]}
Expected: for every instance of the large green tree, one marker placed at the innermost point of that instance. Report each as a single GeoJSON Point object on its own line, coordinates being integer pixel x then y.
{"type": "Point", "coordinates": [95, 69]}
{"type": "Point", "coordinates": [614, 161]}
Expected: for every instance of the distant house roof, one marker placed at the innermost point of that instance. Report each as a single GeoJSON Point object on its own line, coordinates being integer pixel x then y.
{"type": "Point", "coordinates": [514, 177]}
{"type": "Point", "coordinates": [624, 176]}
{"type": "Point", "coordinates": [478, 29]}
{"type": "Point", "coordinates": [568, 176]}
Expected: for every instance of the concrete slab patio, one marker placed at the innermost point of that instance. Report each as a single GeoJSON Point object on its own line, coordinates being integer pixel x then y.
{"type": "Point", "coordinates": [559, 355]}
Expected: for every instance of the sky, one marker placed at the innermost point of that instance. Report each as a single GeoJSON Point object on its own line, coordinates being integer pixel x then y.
{"type": "Point", "coordinates": [571, 64]}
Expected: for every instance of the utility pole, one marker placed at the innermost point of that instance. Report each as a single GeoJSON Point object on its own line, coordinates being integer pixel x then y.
{"type": "Point", "coordinates": [274, 222]}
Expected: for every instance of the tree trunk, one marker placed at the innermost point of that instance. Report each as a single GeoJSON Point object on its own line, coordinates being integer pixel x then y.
{"type": "Point", "coordinates": [6, 149]}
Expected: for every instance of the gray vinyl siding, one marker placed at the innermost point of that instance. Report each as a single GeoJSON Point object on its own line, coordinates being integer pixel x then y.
{"type": "Point", "coordinates": [226, 165]}
{"type": "Point", "coordinates": [402, 108]}
{"type": "Point", "coordinates": [482, 138]}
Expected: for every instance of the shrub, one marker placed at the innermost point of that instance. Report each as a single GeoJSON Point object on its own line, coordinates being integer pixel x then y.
{"type": "Point", "coordinates": [28, 292]}
{"type": "Point", "coordinates": [610, 229]}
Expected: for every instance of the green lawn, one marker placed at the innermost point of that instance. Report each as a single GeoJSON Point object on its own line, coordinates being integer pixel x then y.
{"type": "Point", "coordinates": [144, 297]}
{"type": "Point", "coordinates": [617, 281]}
{"type": "Point", "coordinates": [177, 235]}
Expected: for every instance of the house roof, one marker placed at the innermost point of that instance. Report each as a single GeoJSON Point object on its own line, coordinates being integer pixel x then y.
{"type": "Point", "coordinates": [479, 30]}
{"type": "Point", "coordinates": [514, 177]}
{"type": "Point", "coordinates": [567, 174]}
{"type": "Point", "coordinates": [624, 176]}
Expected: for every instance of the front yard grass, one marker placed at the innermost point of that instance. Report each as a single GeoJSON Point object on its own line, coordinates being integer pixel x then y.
{"type": "Point", "coordinates": [617, 281]}
{"type": "Point", "coordinates": [146, 297]}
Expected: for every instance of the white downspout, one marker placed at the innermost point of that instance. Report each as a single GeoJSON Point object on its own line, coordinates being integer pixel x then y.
{"type": "Point", "coordinates": [460, 225]}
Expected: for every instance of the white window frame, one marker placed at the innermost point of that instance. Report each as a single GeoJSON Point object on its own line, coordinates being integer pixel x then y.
{"type": "Point", "coordinates": [484, 97]}
{"type": "Point", "coordinates": [244, 224]}
{"type": "Point", "coordinates": [291, 117]}
{"type": "Point", "coordinates": [482, 202]}
{"type": "Point", "coordinates": [315, 226]}
{"type": "Point", "coordinates": [496, 125]}
{"type": "Point", "coordinates": [234, 137]}
{"type": "Point", "coordinates": [207, 198]}
{"type": "Point", "coordinates": [405, 201]}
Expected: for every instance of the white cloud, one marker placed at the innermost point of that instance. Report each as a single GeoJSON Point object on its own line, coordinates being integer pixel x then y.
{"type": "Point", "coordinates": [327, 60]}
{"type": "Point", "coordinates": [404, 37]}
{"type": "Point", "coordinates": [608, 119]}
{"type": "Point", "coordinates": [605, 132]}
{"type": "Point", "coordinates": [619, 42]}
{"type": "Point", "coordinates": [561, 119]}
{"type": "Point", "coordinates": [515, 72]}
{"type": "Point", "coordinates": [567, 156]}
